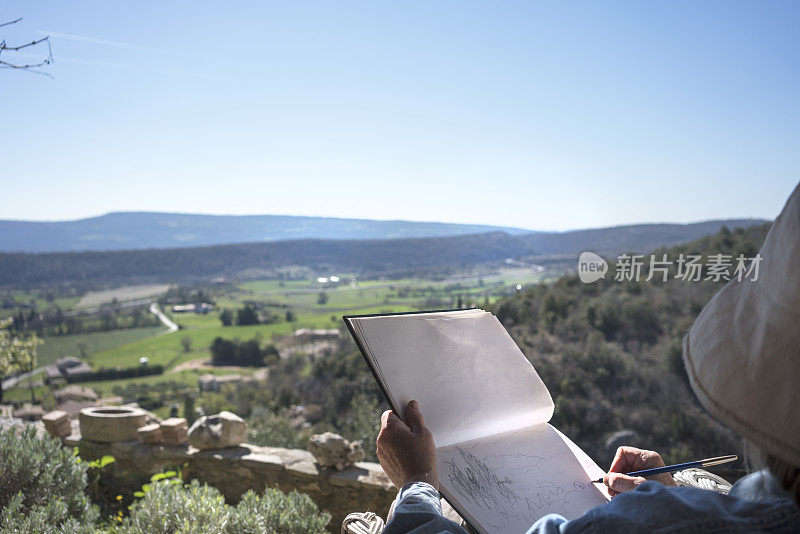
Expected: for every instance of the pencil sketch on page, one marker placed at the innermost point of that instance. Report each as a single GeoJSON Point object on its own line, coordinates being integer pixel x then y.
{"type": "Point", "coordinates": [511, 480]}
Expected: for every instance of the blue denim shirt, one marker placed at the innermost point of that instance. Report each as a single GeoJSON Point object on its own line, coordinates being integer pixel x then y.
{"type": "Point", "coordinates": [756, 503]}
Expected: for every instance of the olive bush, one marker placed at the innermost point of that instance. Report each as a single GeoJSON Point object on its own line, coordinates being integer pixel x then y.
{"type": "Point", "coordinates": [171, 507]}
{"type": "Point", "coordinates": [41, 485]}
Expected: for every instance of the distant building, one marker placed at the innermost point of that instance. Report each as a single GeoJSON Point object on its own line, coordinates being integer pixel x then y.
{"type": "Point", "coordinates": [75, 393]}
{"type": "Point", "coordinates": [201, 307]}
{"type": "Point", "coordinates": [67, 366]}
{"type": "Point", "coordinates": [209, 382]}
{"type": "Point", "coordinates": [305, 335]}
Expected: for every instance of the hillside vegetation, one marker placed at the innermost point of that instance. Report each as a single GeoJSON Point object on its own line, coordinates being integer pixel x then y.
{"type": "Point", "coordinates": [609, 352]}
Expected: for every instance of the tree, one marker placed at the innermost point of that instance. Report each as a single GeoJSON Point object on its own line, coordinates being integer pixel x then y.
{"type": "Point", "coordinates": [290, 316]}
{"type": "Point", "coordinates": [322, 298]}
{"type": "Point", "coordinates": [17, 355]}
{"type": "Point", "coordinates": [186, 343]}
{"type": "Point", "coordinates": [247, 316]}
{"type": "Point", "coordinates": [223, 351]}
{"type": "Point", "coordinates": [188, 408]}
{"type": "Point", "coordinates": [83, 348]}
{"type": "Point", "coordinates": [226, 316]}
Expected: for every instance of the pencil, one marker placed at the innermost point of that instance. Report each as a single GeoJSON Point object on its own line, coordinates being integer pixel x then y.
{"type": "Point", "coordinates": [708, 462]}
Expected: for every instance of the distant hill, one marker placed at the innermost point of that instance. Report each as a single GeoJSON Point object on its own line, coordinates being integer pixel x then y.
{"type": "Point", "coordinates": [146, 230]}
{"type": "Point", "coordinates": [385, 257]}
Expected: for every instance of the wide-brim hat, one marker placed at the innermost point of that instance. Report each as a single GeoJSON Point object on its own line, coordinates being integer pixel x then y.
{"type": "Point", "coordinates": [742, 353]}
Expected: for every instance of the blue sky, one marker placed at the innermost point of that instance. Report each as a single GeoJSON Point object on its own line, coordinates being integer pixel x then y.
{"type": "Point", "coordinates": [547, 116]}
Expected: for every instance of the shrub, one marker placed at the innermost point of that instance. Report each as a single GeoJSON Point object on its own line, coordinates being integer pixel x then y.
{"type": "Point", "coordinates": [168, 507]}
{"type": "Point", "coordinates": [267, 429]}
{"type": "Point", "coordinates": [277, 512]}
{"type": "Point", "coordinates": [41, 485]}
{"type": "Point", "coordinates": [116, 373]}
{"type": "Point", "coordinates": [172, 508]}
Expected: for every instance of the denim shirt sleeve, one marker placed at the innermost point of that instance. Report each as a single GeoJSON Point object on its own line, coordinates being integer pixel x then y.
{"type": "Point", "coordinates": [755, 504]}
{"type": "Point", "coordinates": [418, 511]}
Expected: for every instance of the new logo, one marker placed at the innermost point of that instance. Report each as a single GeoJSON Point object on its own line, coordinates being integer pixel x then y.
{"type": "Point", "coordinates": [591, 267]}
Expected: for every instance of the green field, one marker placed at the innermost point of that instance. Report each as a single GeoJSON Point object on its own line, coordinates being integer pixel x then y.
{"type": "Point", "coordinates": [124, 348]}
{"type": "Point", "coordinates": [55, 347]}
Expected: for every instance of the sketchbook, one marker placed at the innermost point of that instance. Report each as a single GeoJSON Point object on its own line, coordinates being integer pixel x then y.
{"type": "Point", "coordinates": [501, 465]}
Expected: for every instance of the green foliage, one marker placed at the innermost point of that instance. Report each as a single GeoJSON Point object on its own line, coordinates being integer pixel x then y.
{"type": "Point", "coordinates": [17, 354]}
{"type": "Point", "coordinates": [364, 423]}
{"type": "Point", "coordinates": [276, 512]}
{"type": "Point", "coordinates": [41, 485]}
{"type": "Point", "coordinates": [169, 477]}
{"type": "Point", "coordinates": [247, 316]}
{"type": "Point", "coordinates": [171, 507]}
{"type": "Point", "coordinates": [236, 352]}
{"type": "Point", "coordinates": [50, 517]}
{"type": "Point", "coordinates": [610, 353]}
{"type": "Point", "coordinates": [186, 343]}
{"type": "Point", "coordinates": [117, 373]}
{"type": "Point", "coordinates": [267, 429]}
{"type": "Point", "coordinates": [167, 507]}
{"type": "Point", "coordinates": [226, 317]}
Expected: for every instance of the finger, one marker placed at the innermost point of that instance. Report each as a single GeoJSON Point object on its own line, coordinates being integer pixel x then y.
{"type": "Point", "coordinates": [624, 459]}
{"type": "Point", "coordinates": [414, 415]}
{"type": "Point", "coordinates": [621, 483]}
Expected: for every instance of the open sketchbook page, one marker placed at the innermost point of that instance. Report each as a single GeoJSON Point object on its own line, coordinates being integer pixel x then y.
{"type": "Point", "coordinates": [502, 484]}
{"type": "Point", "coordinates": [468, 375]}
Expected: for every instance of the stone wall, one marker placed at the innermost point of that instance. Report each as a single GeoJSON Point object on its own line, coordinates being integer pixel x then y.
{"type": "Point", "coordinates": [359, 488]}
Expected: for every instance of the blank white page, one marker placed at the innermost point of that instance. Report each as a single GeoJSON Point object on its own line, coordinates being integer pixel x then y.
{"type": "Point", "coordinates": [468, 375]}
{"type": "Point", "coordinates": [502, 484]}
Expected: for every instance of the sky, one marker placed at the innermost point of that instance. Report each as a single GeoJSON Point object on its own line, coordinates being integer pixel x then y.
{"type": "Point", "coordinates": [540, 115]}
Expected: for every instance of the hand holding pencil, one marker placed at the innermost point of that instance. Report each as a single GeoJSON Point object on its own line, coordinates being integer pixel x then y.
{"type": "Point", "coordinates": [631, 465]}
{"type": "Point", "coordinates": [631, 459]}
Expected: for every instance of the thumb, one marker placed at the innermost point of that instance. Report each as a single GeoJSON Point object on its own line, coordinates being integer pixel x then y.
{"type": "Point", "coordinates": [414, 415]}
{"type": "Point", "coordinates": [389, 418]}
{"type": "Point", "coordinates": [620, 482]}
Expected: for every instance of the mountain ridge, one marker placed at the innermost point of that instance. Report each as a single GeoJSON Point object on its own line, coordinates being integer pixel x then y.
{"type": "Point", "coordinates": [144, 230]}
{"type": "Point", "coordinates": [381, 257]}
{"type": "Point", "coordinates": [141, 230]}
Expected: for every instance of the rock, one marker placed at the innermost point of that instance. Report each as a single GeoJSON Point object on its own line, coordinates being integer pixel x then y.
{"type": "Point", "coordinates": [620, 438]}
{"type": "Point", "coordinates": [219, 431]}
{"type": "Point", "coordinates": [174, 431]}
{"type": "Point", "coordinates": [332, 450]}
{"type": "Point", "coordinates": [150, 433]}
{"type": "Point", "coordinates": [111, 424]}
{"type": "Point", "coordinates": [57, 423]}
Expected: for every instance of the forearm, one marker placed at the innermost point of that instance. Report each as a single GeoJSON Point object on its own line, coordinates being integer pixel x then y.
{"type": "Point", "coordinates": [418, 510]}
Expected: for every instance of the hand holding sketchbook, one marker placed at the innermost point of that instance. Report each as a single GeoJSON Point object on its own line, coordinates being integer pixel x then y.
{"type": "Point", "coordinates": [501, 465]}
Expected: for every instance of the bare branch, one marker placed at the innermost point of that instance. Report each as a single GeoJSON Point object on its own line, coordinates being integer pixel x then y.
{"type": "Point", "coordinates": [10, 23]}
{"type": "Point", "coordinates": [30, 66]}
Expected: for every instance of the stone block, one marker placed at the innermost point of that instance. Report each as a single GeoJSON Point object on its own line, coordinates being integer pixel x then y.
{"type": "Point", "coordinates": [150, 433]}
{"type": "Point", "coordinates": [174, 431]}
{"type": "Point", "coordinates": [57, 423]}
{"type": "Point", "coordinates": [219, 431]}
{"type": "Point", "coordinates": [332, 450]}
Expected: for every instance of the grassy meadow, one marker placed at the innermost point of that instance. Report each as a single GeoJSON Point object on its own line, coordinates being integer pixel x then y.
{"type": "Point", "coordinates": [123, 348]}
